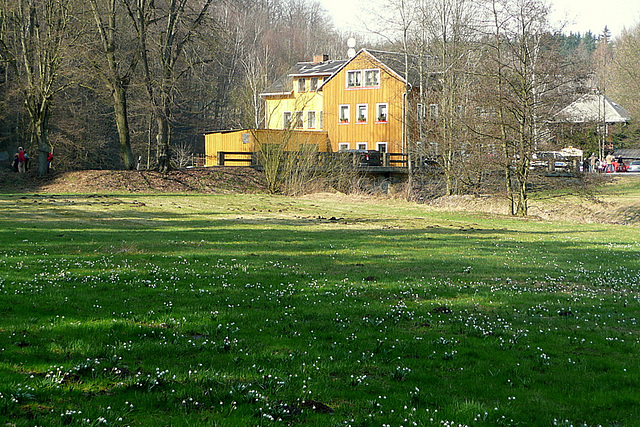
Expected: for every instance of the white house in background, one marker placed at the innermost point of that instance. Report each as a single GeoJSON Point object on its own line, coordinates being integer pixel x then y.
{"type": "Point", "coordinates": [593, 108]}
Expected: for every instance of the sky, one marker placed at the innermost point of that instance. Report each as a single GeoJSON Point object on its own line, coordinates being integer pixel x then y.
{"type": "Point", "coordinates": [580, 15]}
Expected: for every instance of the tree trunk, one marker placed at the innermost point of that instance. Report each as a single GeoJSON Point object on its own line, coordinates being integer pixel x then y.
{"type": "Point", "coordinates": [522, 201]}
{"type": "Point", "coordinates": [162, 139]}
{"type": "Point", "coordinates": [40, 125]}
{"type": "Point", "coordinates": [116, 81]}
{"type": "Point", "coordinates": [122, 122]}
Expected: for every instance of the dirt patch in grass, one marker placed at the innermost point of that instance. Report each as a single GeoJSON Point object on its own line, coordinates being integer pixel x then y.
{"type": "Point", "coordinates": [216, 180]}
{"type": "Point", "coordinates": [551, 200]}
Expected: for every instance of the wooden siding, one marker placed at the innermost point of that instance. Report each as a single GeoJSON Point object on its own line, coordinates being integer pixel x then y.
{"type": "Point", "coordinates": [391, 91]}
{"type": "Point", "coordinates": [247, 141]}
{"type": "Point", "coordinates": [306, 101]}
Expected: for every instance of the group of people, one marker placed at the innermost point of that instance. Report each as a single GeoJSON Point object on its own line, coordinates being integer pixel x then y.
{"type": "Point", "coordinates": [609, 164]}
{"type": "Point", "coordinates": [21, 161]}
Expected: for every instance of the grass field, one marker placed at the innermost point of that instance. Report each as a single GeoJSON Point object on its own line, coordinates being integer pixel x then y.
{"type": "Point", "coordinates": [247, 310]}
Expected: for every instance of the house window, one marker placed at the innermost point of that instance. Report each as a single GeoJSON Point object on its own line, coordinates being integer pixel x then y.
{"type": "Point", "coordinates": [362, 113]}
{"type": "Point", "coordinates": [372, 78]}
{"type": "Point", "coordinates": [299, 120]}
{"type": "Point", "coordinates": [433, 111]}
{"type": "Point", "coordinates": [344, 114]}
{"type": "Point", "coordinates": [313, 84]}
{"type": "Point", "coordinates": [354, 78]}
{"type": "Point", "coordinates": [421, 112]}
{"type": "Point", "coordinates": [320, 122]}
{"type": "Point", "coordinates": [361, 145]}
{"type": "Point", "coordinates": [382, 113]}
{"type": "Point", "coordinates": [343, 146]}
{"type": "Point", "coordinates": [302, 85]}
{"type": "Point", "coordinates": [311, 119]}
{"type": "Point", "coordinates": [381, 147]}
{"type": "Point", "coordinates": [286, 120]}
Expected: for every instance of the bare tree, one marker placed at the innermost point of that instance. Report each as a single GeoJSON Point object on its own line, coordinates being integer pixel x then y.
{"type": "Point", "coordinates": [449, 28]}
{"type": "Point", "coordinates": [35, 44]}
{"type": "Point", "coordinates": [164, 30]}
{"type": "Point", "coordinates": [120, 65]}
{"type": "Point", "coordinates": [626, 70]}
{"type": "Point", "coordinates": [525, 71]}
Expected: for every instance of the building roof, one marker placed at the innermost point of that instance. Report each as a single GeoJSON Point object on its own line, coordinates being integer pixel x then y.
{"type": "Point", "coordinates": [284, 86]}
{"type": "Point", "coordinates": [593, 108]}
{"type": "Point", "coordinates": [627, 153]}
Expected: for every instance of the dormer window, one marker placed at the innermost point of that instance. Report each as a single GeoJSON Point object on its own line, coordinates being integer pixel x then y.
{"type": "Point", "coordinates": [302, 85]}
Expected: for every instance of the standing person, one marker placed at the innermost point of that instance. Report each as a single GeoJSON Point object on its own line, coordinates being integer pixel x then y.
{"type": "Point", "coordinates": [15, 163]}
{"type": "Point", "coordinates": [21, 161]}
{"type": "Point", "coordinates": [614, 165]}
{"type": "Point", "coordinates": [609, 168]}
{"type": "Point", "coordinates": [49, 158]}
{"type": "Point", "coordinates": [592, 162]}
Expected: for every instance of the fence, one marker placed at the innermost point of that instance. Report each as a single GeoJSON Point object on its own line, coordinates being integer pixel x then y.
{"type": "Point", "coordinates": [238, 158]}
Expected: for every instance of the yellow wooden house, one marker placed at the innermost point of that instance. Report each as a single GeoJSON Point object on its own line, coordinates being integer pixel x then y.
{"type": "Point", "coordinates": [367, 102]}
{"type": "Point", "coordinates": [236, 147]}
{"type": "Point", "coordinates": [295, 101]}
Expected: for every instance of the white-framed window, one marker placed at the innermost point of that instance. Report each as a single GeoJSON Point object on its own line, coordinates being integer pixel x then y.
{"type": "Point", "coordinates": [343, 146]}
{"type": "Point", "coordinates": [434, 111]}
{"type": "Point", "coordinates": [372, 78]}
{"type": "Point", "coordinates": [311, 120]}
{"type": "Point", "coordinates": [299, 121]}
{"type": "Point", "coordinates": [313, 84]}
{"type": "Point", "coordinates": [344, 113]}
{"type": "Point", "coordinates": [302, 85]}
{"type": "Point", "coordinates": [286, 120]}
{"type": "Point", "coordinates": [245, 138]}
{"type": "Point", "coordinates": [381, 147]}
{"type": "Point", "coordinates": [421, 111]}
{"type": "Point", "coordinates": [354, 78]}
{"type": "Point", "coordinates": [362, 113]}
{"type": "Point", "coordinates": [382, 113]}
{"type": "Point", "coordinates": [361, 145]}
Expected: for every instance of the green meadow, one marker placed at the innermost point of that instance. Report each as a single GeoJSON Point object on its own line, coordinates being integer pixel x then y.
{"type": "Point", "coordinates": [258, 310]}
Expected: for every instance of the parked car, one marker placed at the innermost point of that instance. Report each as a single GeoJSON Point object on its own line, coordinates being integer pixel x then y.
{"type": "Point", "coordinates": [622, 167]}
{"type": "Point", "coordinates": [365, 157]}
{"type": "Point", "coordinates": [541, 159]}
{"type": "Point", "coordinates": [634, 166]}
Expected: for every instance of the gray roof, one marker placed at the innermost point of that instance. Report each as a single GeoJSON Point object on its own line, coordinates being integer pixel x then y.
{"type": "Point", "coordinates": [593, 108]}
{"type": "Point", "coordinates": [394, 61]}
{"type": "Point", "coordinates": [627, 153]}
{"type": "Point", "coordinates": [415, 67]}
{"type": "Point", "coordinates": [284, 85]}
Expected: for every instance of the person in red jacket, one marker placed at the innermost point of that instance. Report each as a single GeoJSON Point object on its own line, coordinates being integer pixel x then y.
{"type": "Point", "coordinates": [21, 161]}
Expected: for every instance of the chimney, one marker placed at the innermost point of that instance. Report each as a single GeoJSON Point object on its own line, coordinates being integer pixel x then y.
{"type": "Point", "coordinates": [320, 58]}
